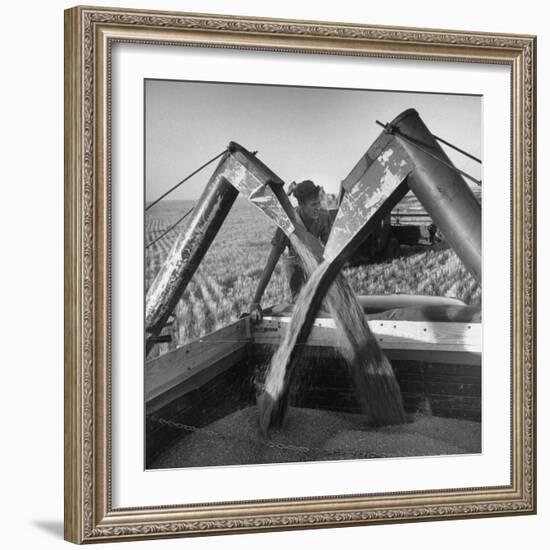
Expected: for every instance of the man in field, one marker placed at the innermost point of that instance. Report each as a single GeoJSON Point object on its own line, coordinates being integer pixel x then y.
{"type": "Point", "coordinates": [316, 220]}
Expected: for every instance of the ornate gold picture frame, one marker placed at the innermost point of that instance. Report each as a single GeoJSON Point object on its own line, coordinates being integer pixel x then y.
{"type": "Point", "coordinates": [90, 36]}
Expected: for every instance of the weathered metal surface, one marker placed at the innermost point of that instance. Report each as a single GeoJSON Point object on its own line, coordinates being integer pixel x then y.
{"type": "Point", "coordinates": [444, 194]}
{"type": "Point", "coordinates": [265, 190]}
{"type": "Point", "coordinates": [258, 184]}
{"type": "Point", "coordinates": [239, 170]}
{"type": "Point", "coordinates": [379, 185]}
{"type": "Point", "coordinates": [364, 163]}
{"type": "Point", "coordinates": [189, 249]}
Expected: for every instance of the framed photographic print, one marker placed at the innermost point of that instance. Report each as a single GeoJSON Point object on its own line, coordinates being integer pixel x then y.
{"type": "Point", "coordinates": [299, 279]}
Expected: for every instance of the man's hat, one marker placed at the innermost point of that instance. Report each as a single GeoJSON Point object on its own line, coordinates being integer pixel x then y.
{"type": "Point", "coordinates": [304, 189]}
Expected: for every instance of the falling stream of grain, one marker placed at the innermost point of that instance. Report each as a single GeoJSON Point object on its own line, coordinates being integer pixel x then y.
{"type": "Point", "coordinates": [373, 375]}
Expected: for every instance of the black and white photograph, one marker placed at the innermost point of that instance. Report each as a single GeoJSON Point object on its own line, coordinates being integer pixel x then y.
{"type": "Point", "coordinates": [300, 275]}
{"type": "Point", "coordinates": [313, 264]}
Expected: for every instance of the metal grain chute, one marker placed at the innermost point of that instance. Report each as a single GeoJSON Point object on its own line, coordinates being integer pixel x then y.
{"type": "Point", "coordinates": [263, 188]}
{"type": "Point", "coordinates": [372, 189]}
{"type": "Point", "coordinates": [441, 189]}
{"type": "Point", "coordinates": [238, 170]}
{"type": "Point", "coordinates": [407, 150]}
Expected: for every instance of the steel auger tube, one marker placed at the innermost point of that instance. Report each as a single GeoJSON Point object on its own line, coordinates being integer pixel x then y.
{"type": "Point", "coordinates": [188, 251]}
{"type": "Point", "coordinates": [239, 170]}
{"type": "Point", "coordinates": [444, 194]}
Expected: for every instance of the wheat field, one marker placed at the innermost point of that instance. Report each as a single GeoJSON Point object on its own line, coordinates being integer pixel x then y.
{"type": "Point", "coordinates": [223, 286]}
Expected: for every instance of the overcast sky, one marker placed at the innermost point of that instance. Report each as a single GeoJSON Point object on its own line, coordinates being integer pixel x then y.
{"type": "Point", "coordinates": [300, 133]}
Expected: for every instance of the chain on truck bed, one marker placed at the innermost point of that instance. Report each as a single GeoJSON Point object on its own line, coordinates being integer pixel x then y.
{"type": "Point", "coordinates": [270, 444]}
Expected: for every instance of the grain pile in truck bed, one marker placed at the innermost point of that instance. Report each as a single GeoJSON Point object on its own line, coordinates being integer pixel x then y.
{"type": "Point", "coordinates": [322, 432]}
